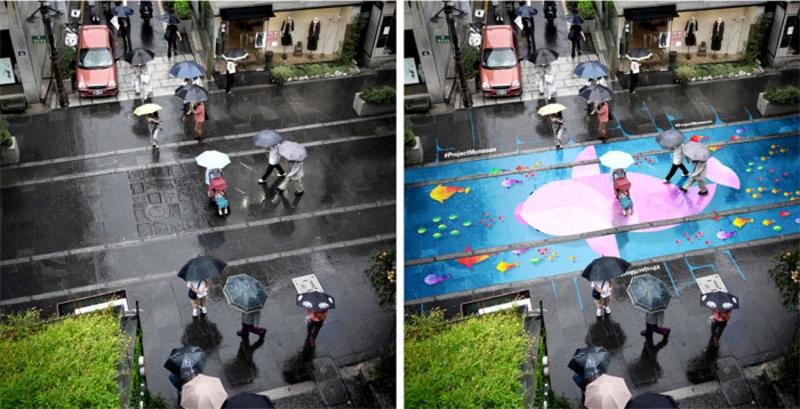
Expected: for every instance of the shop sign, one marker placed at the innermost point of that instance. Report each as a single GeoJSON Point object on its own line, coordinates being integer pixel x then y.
{"type": "Point", "coordinates": [39, 39]}
{"type": "Point", "coordinates": [442, 39]}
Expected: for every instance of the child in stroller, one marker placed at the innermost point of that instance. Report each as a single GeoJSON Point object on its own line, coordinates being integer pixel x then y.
{"type": "Point", "coordinates": [622, 189]}
{"type": "Point", "coordinates": [216, 192]}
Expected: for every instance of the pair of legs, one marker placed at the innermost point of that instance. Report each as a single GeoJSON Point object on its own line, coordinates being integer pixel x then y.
{"type": "Point", "coordinates": [172, 48]}
{"type": "Point", "coordinates": [298, 186]}
{"type": "Point", "coordinates": [673, 169]}
{"type": "Point", "coordinates": [198, 130]}
{"type": "Point", "coordinates": [576, 46]}
{"type": "Point", "coordinates": [561, 138]}
{"type": "Point", "coordinates": [716, 331]}
{"type": "Point", "coordinates": [701, 181]}
{"type": "Point", "coordinates": [154, 131]}
{"type": "Point", "coordinates": [230, 79]}
{"type": "Point", "coordinates": [312, 329]}
{"type": "Point", "coordinates": [601, 129]}
{"type": "Point", "coordinates": [651, 328]}
{"type": "Point", "coordinates": [281, 172]}
{"type": "Point", "coordinates": [247, 329]}
{"type": "Point", "coordinates": [602, 306]}
{"type": "Point", "coordinates": [633, 83]}
{"type": "Point", "coordinates": [199, 306]}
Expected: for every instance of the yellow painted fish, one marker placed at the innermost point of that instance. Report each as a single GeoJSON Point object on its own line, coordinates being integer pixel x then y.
{"type": "Point", "coordinates": [441, 193]}
{"type": "Point", "coordinates": [503, 266]}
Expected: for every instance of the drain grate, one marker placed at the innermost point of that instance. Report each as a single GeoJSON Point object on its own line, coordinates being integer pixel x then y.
{"type": "Point", "coordinates": [663, 157]}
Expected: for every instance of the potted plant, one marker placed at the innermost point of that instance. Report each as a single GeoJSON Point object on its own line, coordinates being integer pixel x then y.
{"type": "Point", "coordinates": [471, 58]}
{"type": "Point", "coordinates": [779, 101]}
{"type": "Point", "coordinates": [66, 62]}
{"type": "Point", "coordinates": [280, 74]}
{"type": "Point", "coordinates": [413, 146]}
{"type": "Point", "coordinates": [588, 14]}
{"type": "Point", "coordinates": [375, 101]}
{"type": "Point", "coordinates": [9, 151]}
{"type": "Point", "coordinates": [184, 13]}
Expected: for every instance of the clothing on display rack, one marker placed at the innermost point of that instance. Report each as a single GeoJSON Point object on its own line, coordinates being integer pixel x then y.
{"type": "Point", "coordinates": [716, 35]}
{"type": "Point", "coordinates": [287, 27]}
{"type": "Point", "coordinates": [691, 32]}
{"type": "Point", "coordinates": [313, 34]}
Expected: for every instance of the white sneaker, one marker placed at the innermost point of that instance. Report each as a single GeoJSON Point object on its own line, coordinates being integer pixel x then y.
{"type": "Point", "coordinates": [608, 310]}
{"type": "Point", "coordinates": [599, 312]}
{"type": "Point", "coordinates": [196, 313]}
{"type": "Point", "coordinates": [665, 181]}
{"type": "Point", "coordinates": [203, 308]}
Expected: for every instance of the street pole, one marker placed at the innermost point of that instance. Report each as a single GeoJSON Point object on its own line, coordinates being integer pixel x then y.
{"type": "Point", "coordinates": [462, 75]}
{"type": "Point", "coordinates": [56, 68]}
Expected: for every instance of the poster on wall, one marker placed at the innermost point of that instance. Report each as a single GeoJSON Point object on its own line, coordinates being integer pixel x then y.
{"type": "Point", "coordinates": [676, 38]}
{"type": "Point", "coordinates": [6, 71]}
{"type": "Point", "coordinates": [272, 38]}
{"type": "Point", "coordinates": [260, 39]}
{"type": "Point", "coordinates": [663, 39]}
{"type": "Point", "coordinates": [410, 75]}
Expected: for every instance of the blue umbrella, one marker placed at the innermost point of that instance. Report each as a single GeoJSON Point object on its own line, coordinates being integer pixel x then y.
{"type": "Point", "coordinates": [649, 293]}
{"type": "Point", "coordinates": [245, 293]}
{"type": "Point", "coordinates": [526, 11]}
{"type": "Point", "coordinates": [122, 11]}
{"type": "Point", "coordinates": [591, 69]}
{"type": "Point", "coordinates": [267, 138]}
{"type": "Point", "coordinates": [187, 69]}
{"type": "Point", "coordinates": [573, 19]}
{"type": "Point", "coordinates": [170, 19]}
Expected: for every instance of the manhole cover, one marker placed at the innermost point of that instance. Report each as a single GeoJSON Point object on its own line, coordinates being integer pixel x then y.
{"type": "Point", "coordinates": [306, 283]}
{"type": "Point", "coordinates": [709, 284]}
{"type": "Point", "coordinates": [155, 212]}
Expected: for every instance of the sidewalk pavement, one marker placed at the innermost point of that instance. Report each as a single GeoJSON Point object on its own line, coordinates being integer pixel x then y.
{"type": "Point", "coordinates": [759, 331]}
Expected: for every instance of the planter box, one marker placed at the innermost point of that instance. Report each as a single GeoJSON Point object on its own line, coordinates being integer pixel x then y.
{"type": "Point", "coordinates": [589, 26]}
{"type": "Point", "coordinates": [185, 26]}
{"type": "Point", "coordinates": [365, 109]}
{"type": "Point", "coordinates": [414, 156]}
{"type": "Point", "coordinates": [767, 108]}
{"type": "Point", "coordinates": [10, 155]}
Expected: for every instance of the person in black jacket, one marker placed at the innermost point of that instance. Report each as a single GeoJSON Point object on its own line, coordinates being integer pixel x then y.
{"type": "Point", "coordinates": [172, 36]}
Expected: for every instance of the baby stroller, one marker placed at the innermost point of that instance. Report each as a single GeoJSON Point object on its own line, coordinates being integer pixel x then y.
{"type": "Point", "coordinates": [216, 192]}
{"type": "Point", "coordinates": [622, 189]}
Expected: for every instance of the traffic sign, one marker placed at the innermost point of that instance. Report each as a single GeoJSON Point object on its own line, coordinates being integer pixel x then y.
{"type": "Point", "coordinates": [39, 39]}
{"type": "Point", "coordinates": [442, 39]}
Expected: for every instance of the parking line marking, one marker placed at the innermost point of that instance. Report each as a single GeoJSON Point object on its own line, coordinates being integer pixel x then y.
{"type": "Point", "coordinates": [671, 280]}
{"type": "Point", "coordinates": [577, 292]}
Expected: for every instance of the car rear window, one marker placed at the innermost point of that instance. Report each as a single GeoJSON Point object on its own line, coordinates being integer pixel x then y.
{"type": "Point", "coordinates": [95, 58]}
{"type": "Point", "coordinates": [496, 58]}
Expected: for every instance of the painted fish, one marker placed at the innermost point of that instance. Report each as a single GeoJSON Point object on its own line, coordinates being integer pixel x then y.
{"type": "Point", "coordinates": [508, 182]}
{"type": "Point", "coordinates": [441, 193]}
{"type": "Point", "coordinates": [520, 251]}
{"type": "Point", "coordinates": [472, 260]}
{"type": "Point", "coordinates": [503, 266]}
{"type": "Point", "coordinates": [433, 279]}
{"type": "Point", "coordinates": [724, 236]}
{"type": "Point", "coordinates": [740, 222]}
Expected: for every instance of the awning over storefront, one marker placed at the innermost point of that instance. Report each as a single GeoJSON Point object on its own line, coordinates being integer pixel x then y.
{"type": "Point", "coordinates": [246, 13]}
{"type": "Point", "coordinates": [650, 13]}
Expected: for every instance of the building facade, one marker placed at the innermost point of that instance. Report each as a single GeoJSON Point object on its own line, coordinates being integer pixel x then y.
{"type": "Point", "coordinates": [24, 52]}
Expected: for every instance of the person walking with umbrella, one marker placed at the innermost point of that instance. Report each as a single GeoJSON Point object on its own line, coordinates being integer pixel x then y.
{"type": "Point", "coordinates": [295, 154]}
{"type": "Point", "coordinates": [154, 126]}
{"type": "Point", "coordinates": [557, 122]}
{"type": "Point", "coordinates": [123, 14]}
{"type": "Point", "coordinates": [247, 295]}
{"type": "Point", "coordinates": [650, 294]}
{"type": "Point", "coordinates": [196, 272]}
{"type": "Point", "coordinates": [526, 13]}
{"type": "Point", "coordinates": [672, 139]}
{"type": "Point", "coordinates": [199, 111]}
{"type": "Point", "coordinates": [634, 76]}
{"type": "Point", "coordinates": [587, 364]}
{"type": "Point", "coordinates": [602, 121]}
{"type": "Point", "coordinates": [722, 305]}
{"type": "Point", "coordinates": [317, 305]}
{"type": "Point", "coordinates": [699, 155]}
{"type": "Point", "coordinates": [599, 272]}
{"type": "Point", "coordinates": [269, 139]}
{"type": "Point", "coordinates": [230, 68]}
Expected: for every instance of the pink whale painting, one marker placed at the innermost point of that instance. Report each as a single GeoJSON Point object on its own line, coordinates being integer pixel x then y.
{"type": "Point", "coordinates": [586, 202]}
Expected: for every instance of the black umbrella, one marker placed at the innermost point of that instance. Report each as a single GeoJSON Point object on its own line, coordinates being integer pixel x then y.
{"type": "Point", "coordinates": [649, 293]}
{"type": "Point", "coordinates": [720, 301]}
{"type": "Point", "coordinates": [595, 93]}
{"type": "Point", "coordinates": [139, 56]}
{"type": "Point", "coordinates": [248, 401]}
{"type": "Point", "coordinates": [192, 93]}
{"type": "Point", "coordinates": [650, 400]}
{"type": "Point", "coordinates": [543, 56]}
{"type": "Point", "coordinates": [591, 361]}
{"type": "Point", "coordinates": [185, 360]}
{"type": "Point", "coordinates": [605, 268]}
{"type": "Point", "coordinates": [245, 293]}
{"type": "Point", "coordinates": [201, 268]}
{"type": "Point", "coordinates": [315, 301]}
{"type": "Point", "coordinates": [122, 11]}
{"type": "Point", "coordinates": [573, 19]}
{"type": "Point", "coordinates": [639, 54]}
{"type": "Point", "coordinates": [234, 53]}
{"type": "Point", "coordinates": [526, 11]}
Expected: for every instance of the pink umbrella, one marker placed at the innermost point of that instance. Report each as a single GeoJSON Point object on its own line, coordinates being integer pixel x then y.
{"type": "Point", "coordinates": [607, 392]}
{"type": "Point", "coordinates": [203, 392]}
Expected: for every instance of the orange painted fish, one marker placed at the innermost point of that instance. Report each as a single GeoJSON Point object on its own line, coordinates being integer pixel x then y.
{"type": "Point", "coordinates": [441, 193]}
{"type": "Point", "coordinates": [472, 260]}
{"type": "Point", "coordinates": [503, 266]}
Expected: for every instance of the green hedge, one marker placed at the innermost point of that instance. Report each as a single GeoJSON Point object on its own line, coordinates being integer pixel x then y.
{"type": "Point", "coordinates": [282, 72]}
{"type": "Point", "coordinates": [69, 363]}
{"type": "Point", "coordinates": [586, 9]}
{"type": "Point", "coordinates": [684, 72]}
{"type": "Point", "coordinates": [5, 135]}
{"type": "Point", "coordinates": [409, 138]}
{"type": "Point", "coordinates": [789, 95]}
{"type": "Point", "coordinates": [475, 363]}
{"type": "Point", "coordinates": [183, 10]}
{"type": "Point", "coordinates": [471, 58]}
{"type": "Point", "coordinates": [66, 62]}
{"type": "Point", "coordinates": [786, 276]}
{"type": "Point", "coordinates": [382, 273]}
{"type": "Point", "coordinates": [384, 95]}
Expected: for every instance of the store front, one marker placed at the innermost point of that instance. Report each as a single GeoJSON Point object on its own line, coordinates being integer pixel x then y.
{"type": "Point", "coordinates": [784, 40]}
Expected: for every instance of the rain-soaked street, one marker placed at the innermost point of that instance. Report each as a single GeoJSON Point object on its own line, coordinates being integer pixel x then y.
{"type": "Point", "coordinates": [92, 209]}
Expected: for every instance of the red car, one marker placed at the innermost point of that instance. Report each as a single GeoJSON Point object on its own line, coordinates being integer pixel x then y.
{"type": "Point", "coordinates": [500, 69]}
{"type": "Point", "coordinates": [97, 68]}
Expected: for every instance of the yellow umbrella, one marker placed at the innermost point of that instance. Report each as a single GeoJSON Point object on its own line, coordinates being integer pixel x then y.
{"type": "Point", "coordinates": [146, 109]}
{"type": "Point", "coordinates": [551, 109]}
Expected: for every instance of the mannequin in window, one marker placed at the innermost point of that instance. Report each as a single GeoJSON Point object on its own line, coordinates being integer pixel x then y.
{"type": "Point", "coordinates": [691, 36]}
{"type": "Point", "coordinates": [287, 28]}
{"type": "Point", "coordinates": [313, 36]}
{"type": "Point", "coordinates": [716, 36]}
{"type": "Point", "coordinates": [624, 40]}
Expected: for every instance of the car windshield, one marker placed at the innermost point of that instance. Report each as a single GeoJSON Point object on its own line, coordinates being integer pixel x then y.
{"type": "Point", "coordinates": [95, 58]}
{"type": "Point", "coordinates": [494, 58]}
